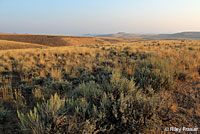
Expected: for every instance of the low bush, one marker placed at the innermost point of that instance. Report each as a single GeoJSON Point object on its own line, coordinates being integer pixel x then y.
{"type": "Point", "coordinates": [45, 117]}
{"type": "Point", "coordinates": [117, 107]}
{"type": "Point", "coordinates": [154, 73]}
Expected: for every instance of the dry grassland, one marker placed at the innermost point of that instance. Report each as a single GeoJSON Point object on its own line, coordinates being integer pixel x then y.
{"type": "Point", "coordinates": [141, 86]}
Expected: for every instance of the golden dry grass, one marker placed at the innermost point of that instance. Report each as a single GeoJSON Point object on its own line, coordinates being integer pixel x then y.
{"type": "Point", "coordinates": [90, 40]}
{"type": "Point", "coordinates": [183, 55]}
{"type": "Point", "coordinates": [6, 45]}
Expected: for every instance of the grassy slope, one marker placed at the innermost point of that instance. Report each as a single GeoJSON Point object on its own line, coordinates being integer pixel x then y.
{"type": "Point", "coordinates": [35, 39]}
{"type": "Point", "coordinates": [6, 45]}
{"type": "Point", "coordinates": [56, 41]}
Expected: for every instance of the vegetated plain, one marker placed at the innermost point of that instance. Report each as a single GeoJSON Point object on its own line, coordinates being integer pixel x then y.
{"type": "Point", "coordinates": [98, 85]}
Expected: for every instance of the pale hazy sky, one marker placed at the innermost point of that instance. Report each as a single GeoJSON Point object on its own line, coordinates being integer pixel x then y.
{"type": "Point", "coordinates": [99, 16]}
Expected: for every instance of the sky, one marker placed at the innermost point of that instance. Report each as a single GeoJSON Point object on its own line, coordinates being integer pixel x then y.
{"type": "Point", "coordinates": [76, 17]}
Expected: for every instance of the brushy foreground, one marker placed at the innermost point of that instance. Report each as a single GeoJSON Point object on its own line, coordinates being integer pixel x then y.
{"type": "Point", "coordinates": [137, 87]}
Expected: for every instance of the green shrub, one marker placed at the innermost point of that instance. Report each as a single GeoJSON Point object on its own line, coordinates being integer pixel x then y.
{"type": "Point", "coordinates": [124, 109]}
{"type": "Point", "coordinates": [116, 106]}
{"type": "Point", "coordinates": [44, 118]}
{"type": "Point", "coordinates": [60, 86]}
{"type": "Point", "coordinates": [90, 90]}
{"type": "Point", "coordinates": [155, 74]}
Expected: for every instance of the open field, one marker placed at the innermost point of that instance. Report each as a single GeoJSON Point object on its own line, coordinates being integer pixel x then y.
{"type": "Point", "coordinates": [98, 85]}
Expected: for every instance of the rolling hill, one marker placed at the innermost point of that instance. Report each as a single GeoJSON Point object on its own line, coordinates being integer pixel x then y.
{"type": "Point", "coordinates": [182, 35]}
{"type": "Point", "coordinates": [22, 41]}
{"type": "Point", "coordinates": [18, 41]}
{"type": "Point", "coordinates": [186, 35]}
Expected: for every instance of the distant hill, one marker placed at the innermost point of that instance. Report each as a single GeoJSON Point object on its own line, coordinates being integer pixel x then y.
{"type": "Point", "coordinates": [182, 35]}
{"type": "Point", "coordinates": [187, 35]}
